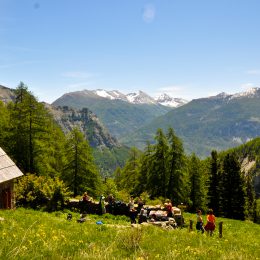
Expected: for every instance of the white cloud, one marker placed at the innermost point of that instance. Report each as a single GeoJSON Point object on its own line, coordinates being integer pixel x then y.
{"type": "Point", "coordinates": [77, 74]}
{"type": "Point", "coordinates": [253, 72]}
{"type": "Point", "coordinates": [149, 13]}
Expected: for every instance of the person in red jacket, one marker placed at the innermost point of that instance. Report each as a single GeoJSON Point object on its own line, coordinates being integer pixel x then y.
{"type": "Point", "coordinates": [211, 219]}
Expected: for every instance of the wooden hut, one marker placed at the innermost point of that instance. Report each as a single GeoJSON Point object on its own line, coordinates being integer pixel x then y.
{"type": "Point", "coordinates": [8, 173]}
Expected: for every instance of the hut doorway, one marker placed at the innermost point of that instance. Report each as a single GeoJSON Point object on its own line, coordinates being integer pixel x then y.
{"type": "Point", "coordinates": [7, 198]}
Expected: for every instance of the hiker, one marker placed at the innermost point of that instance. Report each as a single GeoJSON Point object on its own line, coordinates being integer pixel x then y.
{"type": "Point", "coordinates": [168, 206]}
{"type": "Point", "coordinates": [132, 210]}
{"type": "Point", "coordinates": [102, 207]}
{"type": "Point", "coordinates": [199, 224]}
{"type": "Point", "coordinates": [85, 197]}
{"type": "Point", "coordinates": [211, 219]}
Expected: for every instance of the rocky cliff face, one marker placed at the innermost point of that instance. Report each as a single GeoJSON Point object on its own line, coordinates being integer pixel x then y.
{"type": "Point", "coordinates": [87, 122]}
{"type": "Point", "coordinates": [6, 94]}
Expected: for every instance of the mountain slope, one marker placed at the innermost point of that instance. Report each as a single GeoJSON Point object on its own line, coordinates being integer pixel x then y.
{"type": "Point", "coordinates": [6, 94]}
{"type": "Point", "coordinates": [218, 122]}
{"type": "Point", "coordinates": [119, 116]}
{"type": "Point", "coordinates": [108, 153]}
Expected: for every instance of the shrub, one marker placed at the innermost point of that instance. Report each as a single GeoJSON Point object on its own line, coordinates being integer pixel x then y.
{"type": "Point", "coordinates": [38, 191]}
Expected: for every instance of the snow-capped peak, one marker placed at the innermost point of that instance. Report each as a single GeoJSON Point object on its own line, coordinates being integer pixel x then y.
{"type": "Point", "coordinates": [137, 98]}
{"type": "Point", "coordinates": [140, 98]}
{"type": "Point", "coordinates": [252, 92]}
{"type": "Point", "coordinates": [103, 93]}
{"type": "Point", "coordinates": [166, 100]}
{"type": "Point", "coordinates": [114, 94]}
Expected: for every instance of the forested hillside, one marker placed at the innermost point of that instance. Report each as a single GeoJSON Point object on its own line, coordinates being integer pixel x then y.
{"type": "Point", "coordinates": [222, 181]}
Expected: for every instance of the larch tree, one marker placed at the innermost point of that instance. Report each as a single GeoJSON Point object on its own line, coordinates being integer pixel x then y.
{"type": "Point", "coordinates": [233, 188]}
{"type": "Point", "coordinates": [80, 172]}
{"type": "Point", "coordinates": [176, 168]}
{"type": "Point", "coordinates": [214, 183]}
{"type": "Point", "coordinates": [157, 178]}
{"type": "Point", "coordinates": [197, 184]}
{"type": "Point", "coordinates": [27, 128]}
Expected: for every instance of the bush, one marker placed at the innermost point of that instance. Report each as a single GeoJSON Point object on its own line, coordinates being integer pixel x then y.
{"type": "Point", "coordinates": [38, 191]}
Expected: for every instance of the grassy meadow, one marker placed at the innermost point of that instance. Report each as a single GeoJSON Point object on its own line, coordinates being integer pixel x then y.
{"type": "Point", "coordinates": [28, 234]}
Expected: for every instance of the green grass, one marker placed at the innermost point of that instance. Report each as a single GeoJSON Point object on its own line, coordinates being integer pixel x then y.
{"type": "Point", "coordinates": [28, 234]}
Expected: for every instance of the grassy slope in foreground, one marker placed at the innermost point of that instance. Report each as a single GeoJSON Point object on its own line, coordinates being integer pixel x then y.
{"type": "Point", "coordinates": [27, 234]}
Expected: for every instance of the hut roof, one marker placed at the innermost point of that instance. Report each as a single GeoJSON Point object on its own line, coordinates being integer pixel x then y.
{"type": "Point", "coordinates": [8, 169]}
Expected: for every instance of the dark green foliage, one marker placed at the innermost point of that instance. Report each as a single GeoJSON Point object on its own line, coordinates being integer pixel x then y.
{"type": "Point", "coordinates": [159, 171]}
{"type": "Point", "coordinates": [214, 183]}
{"type": "Point", "coordinates": [176, 165]}
{"type": "Point", "coordinates": [197, 184]}
{"type": "Point", "coordinates": [233, 189]}
{"type": "Point", "coordinates": [157, 178]}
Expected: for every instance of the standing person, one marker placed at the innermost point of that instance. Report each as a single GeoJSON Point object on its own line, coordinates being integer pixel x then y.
{"type": "Point", "coordinates": [199, 224]}
{"type": "Point", "coordinates": [132, 211]}
{"type": "Point", "coordinates": [102, 207]}
{"type": "Point", "coordinates": [211, 219]}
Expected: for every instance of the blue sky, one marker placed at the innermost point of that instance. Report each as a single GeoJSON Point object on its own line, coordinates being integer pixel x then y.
{"type": "Point", "coordinates": [186, 48]}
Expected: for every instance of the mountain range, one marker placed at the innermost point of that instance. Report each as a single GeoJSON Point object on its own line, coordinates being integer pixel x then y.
{"type": "Point", "coordinates": [217, 122]}
{"type": "Point", "coordinates": [121, 114]}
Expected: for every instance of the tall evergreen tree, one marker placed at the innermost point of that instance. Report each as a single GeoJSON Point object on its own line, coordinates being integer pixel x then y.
{"type": "Point", "coordinates": [80, 172]}
{"type": "Point", "coordinates": [130, 173]}
{"type": "Point", "coordinates": [214, 183]}
{"type": "Point", "coordinates": [145, 169]}
{"type": "Point", "coordinates": [27, 127]}
{"type": "Point", "coordinates": [157, 178]}
{"type": "Point", "coordinates": [233, 192]}
{"type": "Point", "coordinates": [176, 167]}
{"type": "Point", "coordinates": [197, 184]}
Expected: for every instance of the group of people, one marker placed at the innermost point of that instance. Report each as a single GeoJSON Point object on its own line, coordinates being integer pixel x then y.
{"type": "Point", "coordinates": [210, 225]}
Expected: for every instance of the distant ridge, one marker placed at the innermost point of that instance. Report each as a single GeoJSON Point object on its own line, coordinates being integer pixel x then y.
{"type": "Point", "coordinates": [134, 98]}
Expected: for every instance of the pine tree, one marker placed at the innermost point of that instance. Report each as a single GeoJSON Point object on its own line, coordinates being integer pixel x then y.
{"type": "Point", "coordinates": [145, 169]}
{"type": "Point", "coordinates": [233, 188]}
{"type": "Point", "coordinates": [157, 178]}
{"type": "Point", "coordinates": [214, 183]}
{"type": "Point", "coordinates": [176, 167]}
{"type": "Point", "coordinates": [80, 172]}
{"type": "Point", "coordinates": [27, 127]}
{"type": "Point", "coordinates": [197, 184]}
{"type": "Point", "coordinates": [130, 173]}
